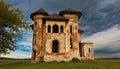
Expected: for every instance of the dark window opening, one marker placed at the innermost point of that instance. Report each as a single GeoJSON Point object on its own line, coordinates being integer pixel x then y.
{"type": "Point", "coordinates": [89, 50]}
{"type": "Point", "coordinates": [61, 29]}
{"type": "Point", "coordinates": [71, 29]}
{"type": "Point", "coordinates": [49, 28]}
{"type": "Point", "coordinates": [55, 46]}
{"type": "Point", "coordinates": [71, 43]}
{"type": "Point", "coordinates": [55, 29]}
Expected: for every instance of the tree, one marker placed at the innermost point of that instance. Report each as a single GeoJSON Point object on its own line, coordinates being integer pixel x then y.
{"type": "Point", "coordinates": [11, 23]}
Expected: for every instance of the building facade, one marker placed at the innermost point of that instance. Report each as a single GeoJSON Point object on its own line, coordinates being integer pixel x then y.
{"type": "Point", "coordinates": [57, 37]}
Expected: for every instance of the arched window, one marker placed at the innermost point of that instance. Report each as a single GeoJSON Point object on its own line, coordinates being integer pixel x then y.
{"type": "Point", "coordinates": [49, 28]}
{"type": "Point", "coordinates": [61, 29]}
{"type": "Point", "coordinates": [55, 46]}
{"type": "Point", "coordinates": [55, 29]}
{"type": "Point", "coordinates": [71, 29]}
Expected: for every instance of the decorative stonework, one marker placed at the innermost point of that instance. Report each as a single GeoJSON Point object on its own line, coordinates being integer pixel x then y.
{"type": "Point", "coordinates": [57, 37]}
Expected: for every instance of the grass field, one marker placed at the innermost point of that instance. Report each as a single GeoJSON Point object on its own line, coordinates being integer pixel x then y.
{"type": "Point", "coordinates": [88, 64]}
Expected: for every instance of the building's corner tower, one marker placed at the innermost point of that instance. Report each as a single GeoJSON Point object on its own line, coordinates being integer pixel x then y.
{"type": "Point", "coordinates": [72, 30]}
{"type": "Point", "coordinates": [37, 34]}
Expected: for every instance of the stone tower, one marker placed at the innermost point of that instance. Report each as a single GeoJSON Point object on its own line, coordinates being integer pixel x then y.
{"type": "Point", "coordinates": [38, 34]}
{"type": "Point", "coordinates": [56, 37]}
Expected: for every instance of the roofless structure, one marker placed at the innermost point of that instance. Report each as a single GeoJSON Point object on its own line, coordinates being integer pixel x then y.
{"type": "Point", "coordinates": [57, 37]}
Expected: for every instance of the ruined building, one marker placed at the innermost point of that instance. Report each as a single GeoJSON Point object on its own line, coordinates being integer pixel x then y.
{"type": "Point", "coordinates": [57, 37]}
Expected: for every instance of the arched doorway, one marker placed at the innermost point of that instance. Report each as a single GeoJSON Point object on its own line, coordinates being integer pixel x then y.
{"type": "Point", "coordinates": [55, 46]}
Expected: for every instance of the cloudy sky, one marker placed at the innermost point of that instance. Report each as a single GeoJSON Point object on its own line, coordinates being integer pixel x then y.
{"type": "Point", "coordinates": [100, 21]}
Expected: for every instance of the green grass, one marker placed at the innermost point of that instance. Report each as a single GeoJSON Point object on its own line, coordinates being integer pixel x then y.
{"type": "Point", "coordinates": [88, 64]}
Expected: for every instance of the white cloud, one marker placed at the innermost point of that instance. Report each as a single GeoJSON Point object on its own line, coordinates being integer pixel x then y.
{"type": "Point", "coordinates": [84, 28]}
{"type": "Point", "coordinates": [17, 55]}
{"type": "Point", "coordinates": [115, 55]}
{"type": "Point", "coordinates": [109, 38]}
{"type": "Point", "coordinates": [27, 42]}
{"type": "Point", "coordinates": [26, 39]}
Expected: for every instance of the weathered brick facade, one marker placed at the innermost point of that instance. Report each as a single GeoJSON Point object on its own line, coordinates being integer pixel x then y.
{"type": "Point", "coordinates": [56, 37]}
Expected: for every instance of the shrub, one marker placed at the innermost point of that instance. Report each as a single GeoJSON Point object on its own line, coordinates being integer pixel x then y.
{"type": "Point", "coordinates": [75, 60]}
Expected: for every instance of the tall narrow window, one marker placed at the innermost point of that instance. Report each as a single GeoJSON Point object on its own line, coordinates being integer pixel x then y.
{"type": "Point", "coordinates": [55, 46]}
{"type": "Point", "coordinates": [71, 43]}
{"type": "Point", "coordinates": [61, 29]}
{"type": "Point", "coordinates": [49, 28]}
{"type": "Point", "coordinates": [55, 29]}
{"type": "Point", "coordinates": [71, 29]}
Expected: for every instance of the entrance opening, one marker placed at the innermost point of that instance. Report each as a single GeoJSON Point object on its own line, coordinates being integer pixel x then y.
{"type": "Point", "coordinates": [81, 50]}
{"type": "Point", "coordinates": [55, 46]}
{"type": "Point", "coordinates": [34, 54]}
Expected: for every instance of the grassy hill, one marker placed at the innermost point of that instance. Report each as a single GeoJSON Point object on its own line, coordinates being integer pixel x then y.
{"type": "Point", "coordinates": [88, 64]}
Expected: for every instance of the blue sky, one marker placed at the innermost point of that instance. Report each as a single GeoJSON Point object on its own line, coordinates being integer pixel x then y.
{"type": "Point", "coordinates": [100, 21]}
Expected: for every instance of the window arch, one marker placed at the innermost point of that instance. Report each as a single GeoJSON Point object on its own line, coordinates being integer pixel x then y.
{"type": "Point", "coordinates": [49, 28]}
{"type": "Point", "coordinates": [55, 29]}
{"type": "Point", "coordinates": [61, 29]}
{"type": "Point", "coordinates": [55, 46]}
